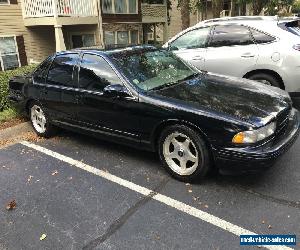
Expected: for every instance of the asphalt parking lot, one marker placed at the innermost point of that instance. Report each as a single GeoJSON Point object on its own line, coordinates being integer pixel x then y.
{"type": "Point", "coordinates": [83, 193]}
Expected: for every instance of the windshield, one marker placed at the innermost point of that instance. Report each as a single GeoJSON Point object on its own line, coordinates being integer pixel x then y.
{"type": "Point", "coordinates": [154, 69]}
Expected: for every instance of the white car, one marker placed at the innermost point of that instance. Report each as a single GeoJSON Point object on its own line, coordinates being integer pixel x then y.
{"type": "Point", "coordinates": [258, 48]}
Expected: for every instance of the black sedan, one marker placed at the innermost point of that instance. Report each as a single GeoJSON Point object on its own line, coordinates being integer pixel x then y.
{"type": "Point", "coordinates": [148, 98]}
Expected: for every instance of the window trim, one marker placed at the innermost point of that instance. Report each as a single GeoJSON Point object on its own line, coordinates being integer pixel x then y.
{"type": "Point", "coordinates": [17, 51]}
{"type": "Point", "coordinates": [7, 3]}
{"type": "Point", "coordinates": [82, 34]}
{"type": "Point", "coordinates": [276, 39]}
{"type": "Point", "coordinates": [113, 10]}
{"type": "Point", "coordinates": [129, 35]}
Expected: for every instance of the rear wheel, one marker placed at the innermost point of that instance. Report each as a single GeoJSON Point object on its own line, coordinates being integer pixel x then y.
{"type": "Point", "coordinates": [40, 121]}
{"type": "Point", "coordinates": [184, 153]}
{"type": "Point", "coordinates": [267, 79]}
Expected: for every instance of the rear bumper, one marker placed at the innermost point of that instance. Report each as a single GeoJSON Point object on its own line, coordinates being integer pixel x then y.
{"type": "Point", "coordinates": [253, 159]}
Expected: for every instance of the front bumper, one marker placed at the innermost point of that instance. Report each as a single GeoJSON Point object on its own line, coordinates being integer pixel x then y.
{"type": "Point", "coordinates": [253, 159]}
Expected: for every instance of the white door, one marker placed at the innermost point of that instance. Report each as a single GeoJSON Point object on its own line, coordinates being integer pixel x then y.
{"type": "Point", "coordinates": [231, 51]}
{"type": "Point", "coordinates": [191, 46]}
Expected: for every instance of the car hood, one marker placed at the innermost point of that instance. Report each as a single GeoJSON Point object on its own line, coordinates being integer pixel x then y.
{"type": "Point", "coordinates": [244, 99]}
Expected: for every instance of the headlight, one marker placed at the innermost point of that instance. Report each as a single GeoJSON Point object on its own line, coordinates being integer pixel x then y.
{"type": "Point", "coordinates": [254, 136]}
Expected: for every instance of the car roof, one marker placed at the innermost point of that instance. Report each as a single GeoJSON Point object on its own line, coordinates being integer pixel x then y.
{"type": "Point", "coordinates": [112, 51]}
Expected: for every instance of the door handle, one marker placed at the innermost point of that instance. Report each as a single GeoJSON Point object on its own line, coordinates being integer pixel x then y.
{"type": "Point", "coordinates": [247, 55]}
{"type": "Point", "coordinates": [197, 58]}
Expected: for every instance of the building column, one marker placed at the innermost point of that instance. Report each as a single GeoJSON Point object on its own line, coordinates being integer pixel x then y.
{"type": "Point", "coordinates": [166, 32]}
{"type": "Point", "coordinates": [59, 38]}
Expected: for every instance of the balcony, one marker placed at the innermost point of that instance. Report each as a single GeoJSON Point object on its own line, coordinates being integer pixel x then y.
{"type": "Point", "coordinates": [67, 12]}
{"type": "Point", "coordinates": [154, 13]}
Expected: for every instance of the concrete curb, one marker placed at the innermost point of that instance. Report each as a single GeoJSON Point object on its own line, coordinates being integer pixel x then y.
{"type": "Point", "coordinates": [13, 132]}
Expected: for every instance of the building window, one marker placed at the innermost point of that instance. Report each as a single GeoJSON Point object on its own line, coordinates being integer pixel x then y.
{"type": "Point", "coordinates": [120, 6]}
{"type": "Point", "coordinates": [83, 40]}
{"type": "Point", "coordinates": [109, 37]}
{"type": "Point", "coordinates": [107, 6]}
{"type": "Point", "coordinates": [4, 1]}
{"type": "Point", "coordinates": [121, 37]}
{"type": "Point", "coordinates": [9, 56]}
{"type": "Point", "coordinates": [134, 37]}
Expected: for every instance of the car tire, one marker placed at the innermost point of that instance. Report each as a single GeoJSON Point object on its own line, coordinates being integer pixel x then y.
{"type": "Point", "coordinates": [184, 153]}
{"type": "Point", "coordinates": [40, 121]}
{"type": "Point", "coordinates": [267, 79]}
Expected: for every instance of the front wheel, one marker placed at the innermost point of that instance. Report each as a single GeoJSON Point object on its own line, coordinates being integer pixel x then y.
{"type": "Point", "coordinates": [39, 121]}
{"type": "Point", "coordinates": [267, 79]}
{"type": "Point", "coordinates": [184, 153]}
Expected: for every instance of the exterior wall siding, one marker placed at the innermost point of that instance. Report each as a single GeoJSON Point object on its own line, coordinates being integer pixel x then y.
{"type": "Point", "coordinates": [175, 24]}
{"type": "Point", "coordinates": [37, 45]}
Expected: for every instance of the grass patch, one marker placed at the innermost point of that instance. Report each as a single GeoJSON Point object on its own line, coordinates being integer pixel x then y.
{"type": "Point", "coordinates": [8, 114]}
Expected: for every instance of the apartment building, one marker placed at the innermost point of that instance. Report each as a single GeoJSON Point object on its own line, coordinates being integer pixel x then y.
{"type": "Point", "coordinates": [30, 30]}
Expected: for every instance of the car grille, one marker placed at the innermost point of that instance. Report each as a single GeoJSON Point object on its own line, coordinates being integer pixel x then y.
{"type": "Point", "coordinates": [283, 119]}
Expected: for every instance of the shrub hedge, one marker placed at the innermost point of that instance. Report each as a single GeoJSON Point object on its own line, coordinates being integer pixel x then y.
{"type": "Point", "coordinates": [4, 78]}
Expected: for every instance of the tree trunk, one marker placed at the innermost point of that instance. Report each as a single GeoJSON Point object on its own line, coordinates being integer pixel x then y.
{"type": "Point", "coordinates": [185, 14]}
{"type": "Point", "coordinates": [232, 8]}
{"type": "Point", "coordinates": [217, 7]}
{"type": "Point", "coordinates": [258, 5]}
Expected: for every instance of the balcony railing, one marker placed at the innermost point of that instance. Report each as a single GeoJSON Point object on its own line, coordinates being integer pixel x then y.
{"type": "Point", "coordinates": [55, 8]}
{"type": "Point", "coordinates": [154, 13]}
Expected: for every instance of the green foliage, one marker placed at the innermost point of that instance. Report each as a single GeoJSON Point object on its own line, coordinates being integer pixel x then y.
{"type": "Point", "coordinates": [4, 79]}
{"type": "Point", "coordinates": [8, 114]}
{"type": "Point", "coordinates": [296, 7]}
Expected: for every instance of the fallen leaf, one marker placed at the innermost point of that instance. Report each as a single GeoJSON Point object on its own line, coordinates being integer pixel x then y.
{"type": "Point", "coordinates": [11, 205]}
{"type": "Point", "coordinates": [43, 236]}
{"type": "Point", "coordinates": [54, 173]}
{"type": "Point", "coordinates": [29, 178]}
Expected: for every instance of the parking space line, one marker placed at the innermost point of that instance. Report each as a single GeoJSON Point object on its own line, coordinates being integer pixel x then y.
{"type": "Point", "coordinates": [197, 213]}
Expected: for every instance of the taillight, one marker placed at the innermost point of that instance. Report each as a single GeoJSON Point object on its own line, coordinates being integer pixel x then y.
{"type": "Point", "coordinates": [296, 47]}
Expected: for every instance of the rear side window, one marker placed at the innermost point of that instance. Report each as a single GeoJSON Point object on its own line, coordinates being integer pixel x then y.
{"type": "Point", "coordinates": [292, 27]}
{"type": "Point", "coordinates": [193, 39]}
{"type": "Point", "coordinates": [230, 35]}
{"type": "Point", "coordinates": [260, 37]}
{"type": "Point", "coordinates": [95, 73]}
{"type": "Point", "coordinates": [40, 73]}
{"type": "Point", "coordinates": [61, 70]}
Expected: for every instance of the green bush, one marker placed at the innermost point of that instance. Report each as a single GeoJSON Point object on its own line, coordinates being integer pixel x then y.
{"type": "Point", "coordinates": [4, 78]}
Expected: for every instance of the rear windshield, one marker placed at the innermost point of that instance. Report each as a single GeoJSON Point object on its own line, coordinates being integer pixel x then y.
{"type": "Point", "coordinates": [293, 27]}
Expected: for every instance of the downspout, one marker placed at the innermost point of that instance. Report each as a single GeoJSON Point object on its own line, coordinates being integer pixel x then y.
{"type": "Point", "coordinates": [100, 23]}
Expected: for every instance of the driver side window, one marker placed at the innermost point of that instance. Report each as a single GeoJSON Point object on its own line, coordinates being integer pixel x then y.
{"type": "Point", "coordinates": [95, 73]}
{"type": "Point", "coordinates": [193, 39]}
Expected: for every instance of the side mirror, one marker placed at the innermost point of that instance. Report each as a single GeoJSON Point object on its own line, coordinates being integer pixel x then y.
{"type": "Point", "coordinates": [172, 48]}
{"type": "Point", "coordinates": [116, 90]}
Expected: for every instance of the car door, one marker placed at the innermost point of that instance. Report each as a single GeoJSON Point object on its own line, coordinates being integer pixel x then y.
{"type": "Point", "coordinates": [191, 46]}
{"type": "Point", "coordinates": [231, 51]}
{"type": "Point", "coordinates": [99, 112]}
{"type": "Point", "coordinates": [59, 95]}
{"type": "Point", "coordinates": [39, 77]}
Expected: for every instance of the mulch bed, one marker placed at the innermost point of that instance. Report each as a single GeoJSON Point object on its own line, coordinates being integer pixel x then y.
{"type": "Point", "coordinates": [11, 123]}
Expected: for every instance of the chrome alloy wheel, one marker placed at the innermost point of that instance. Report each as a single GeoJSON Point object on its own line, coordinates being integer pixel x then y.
{"type": "Point", "coordinates": [181, 154]}
{"type": "Point", "coordinates": [38, 119]}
